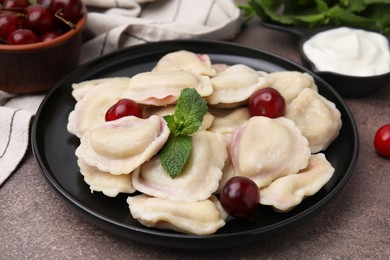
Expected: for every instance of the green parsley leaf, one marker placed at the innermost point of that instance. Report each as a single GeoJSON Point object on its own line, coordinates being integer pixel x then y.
{"type": "Point", "coordinates": [175, 154]}
{"type": "Point", "coordinates": [365, 14]}
{"type": "Point", "coordinates": [185, 121]}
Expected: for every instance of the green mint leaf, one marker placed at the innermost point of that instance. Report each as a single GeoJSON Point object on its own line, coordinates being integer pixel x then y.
{"type": "Point", "coordinates": [175, 154]}
{"type": "Point", "coordinates": [185, 121]}
{"type": "Point", "coordinates": [171, 123]}
{"type": "Point", "coordinates": [189, 112]}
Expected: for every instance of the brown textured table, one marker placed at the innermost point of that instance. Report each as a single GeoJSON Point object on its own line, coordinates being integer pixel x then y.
{"type": "Point", "coordinates": [36, 223]}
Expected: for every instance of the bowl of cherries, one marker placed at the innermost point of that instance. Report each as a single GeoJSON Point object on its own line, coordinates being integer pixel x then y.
{"type": "Point", "coordinates": [39, 42]}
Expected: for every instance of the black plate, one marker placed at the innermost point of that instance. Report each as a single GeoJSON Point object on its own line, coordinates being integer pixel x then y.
{"type": "Point", "coordinates": [54, 149]}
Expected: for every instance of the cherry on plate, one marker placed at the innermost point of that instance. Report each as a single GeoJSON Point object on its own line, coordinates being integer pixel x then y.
{"type": "Point", "coordinates": [267, 102]}
{"type": "Point", "coordinates": [239, 197]}
{"type": "Point", "coordinates": [124, 107]}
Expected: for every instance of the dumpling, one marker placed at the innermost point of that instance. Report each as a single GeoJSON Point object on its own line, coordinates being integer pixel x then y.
{"type": "Point", "coordinates": [83, 88]}
{"type": "Point", "coordinates": [158, 111]}
{"type": "Point", "coordinates": [208, 119]}
{"type": "Point", "coordinates": [198, 64]}
{"type": "Point", "coordinates": [161, 88]}
{"type": "Point", "coordinates": [291, 83]}
{"type": "Point", "coordinates": [92, 106]}
{"type": "Point", "coordinates": [226, 121]}
{"type": "Point", "coordinates": [227, 173]}
{"type": "Point", "coordinates": [120, 146]}
{"type": "Point", "coordinates": [199, 178]}
{"type": "Point", "coordinates": [317, 118]}
{"type": "Point", "coordinates": [265, 149]}
{"type": "Point", "coordinates": [200, 217]}
{"type": "Point", "coordinates": [288, 191]}
{"type": "Point", "coordinates": [111, 185]}
{"type": "Point", "coordinates": [235, 85]}
{"type": "Point", "coordinates": [220, 67]}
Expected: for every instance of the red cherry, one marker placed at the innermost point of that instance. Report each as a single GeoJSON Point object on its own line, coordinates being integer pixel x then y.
{"type": "Point", "coordinates": [70, 10]}
{"type": "Point", "coordinates": [239, 197]}
{"type": "Point", "coordinates": [45, 3]}
{"type": "Point", "coordinates": [16, 4]}
{"type": "Point", "coordinates": [47, 36]}
{"type": "Point", "coordinates": [9, 22]}
{"type": "Point", "coordinates": [382, 141]}
{"type": "Point", "coordinates": [22, 36]}
{"type": "Point", "coordinates": [39, 19]}
{"type": "Point", "coordinates": [267, 102]}
{"type": "Point", "coordinates": [124, 107]}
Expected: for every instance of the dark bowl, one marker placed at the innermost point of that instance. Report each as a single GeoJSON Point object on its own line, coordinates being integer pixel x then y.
{"type": "Point", "coordinates": [36, 67]}
{"type": "Point", "coordinates": [346, 85]}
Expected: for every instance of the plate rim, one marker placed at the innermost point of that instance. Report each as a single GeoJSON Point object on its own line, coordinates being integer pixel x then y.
{"type": "Point", "coordinates": [156, 235]}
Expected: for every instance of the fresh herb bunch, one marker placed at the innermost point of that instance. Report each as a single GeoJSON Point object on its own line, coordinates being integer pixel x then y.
{"type": "Point", "coordinates": [366, 14]}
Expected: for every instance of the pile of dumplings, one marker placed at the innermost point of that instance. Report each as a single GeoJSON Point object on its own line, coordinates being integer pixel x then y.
{"type": "Point", "coordinates": [283, 156]}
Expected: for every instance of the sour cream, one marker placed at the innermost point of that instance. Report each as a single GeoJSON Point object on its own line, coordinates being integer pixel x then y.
{"type": "Point", "coordinates": [349, 51]}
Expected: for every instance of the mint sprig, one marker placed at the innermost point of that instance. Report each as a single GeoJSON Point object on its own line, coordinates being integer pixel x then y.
{"type": "Point", "coordinates": [185, 121]}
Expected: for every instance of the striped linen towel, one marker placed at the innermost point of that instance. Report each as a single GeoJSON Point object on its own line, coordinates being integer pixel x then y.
{"type": "Point", "coordinates": [112, 25]}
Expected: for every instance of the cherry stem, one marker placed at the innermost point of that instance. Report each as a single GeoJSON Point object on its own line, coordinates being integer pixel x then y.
{"type": "Point", "coordinates": [4, 41]}
{"type": "Point", "coordinates": [17, 10]}
{"type": "Point", "coordinates": [70, 24]}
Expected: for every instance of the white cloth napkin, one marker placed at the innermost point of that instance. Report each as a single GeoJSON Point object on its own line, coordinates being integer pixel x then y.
{"type": "Point", "coordinates": [112, 25]}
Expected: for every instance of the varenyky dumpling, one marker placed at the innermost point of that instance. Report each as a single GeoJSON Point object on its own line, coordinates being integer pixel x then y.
{"type": "Point", "coordinates": [199, 178]}
{"type": "Point", "coordinates": [286, 192]}
{"type": "Point", "coordinates": [90, 110]}
{"type": "Point", "coordinates": [235, 85]}
{"type": "Point", "coordinates": [220, 67]}
{"type": "Point", "coordinates": [227, 173]}
{"type": "Point", "coordinates": [226, 121]}
{"type": "Point", "coordinates": [198, 64]}
{"type": "Point", "coordinates": [317, 118]}
{"type": "Point", "coordinates": [265, 149]}
{"type": "Point", "coordinates": [120, 146]}
{"type": "Point", "coordinates": [291, 83]}
{"type": "Point", "coordinates": [161, 88]}
{"type": "Point", "coordinates": [111, 185]}
{"type": "Point", "coordinates": [82, 88]}
{"type": "Point", "coordinates": [198, 217]}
